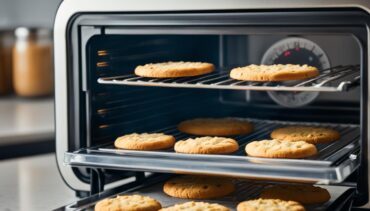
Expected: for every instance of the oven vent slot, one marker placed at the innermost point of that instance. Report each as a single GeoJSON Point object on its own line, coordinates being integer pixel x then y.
{"type": "Point", "coordinates": [335, 79]}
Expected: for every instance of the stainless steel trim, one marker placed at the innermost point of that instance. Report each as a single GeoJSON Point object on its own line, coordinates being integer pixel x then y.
{"type": "Point", "coordinates": [221, 80]}
{"type": "Point", "coordinates": [368, 115]}
{"type": "Point", "coordinates": [316, 174]}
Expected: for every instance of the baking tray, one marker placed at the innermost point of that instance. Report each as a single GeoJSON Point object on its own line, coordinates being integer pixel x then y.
{"type": "Point", "coordinates": [245, 190]}
{"type": "Point", "coordinates": [334, 162]}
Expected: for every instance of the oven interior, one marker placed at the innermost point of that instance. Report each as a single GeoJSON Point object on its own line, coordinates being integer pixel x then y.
{"type": "Point", "coordinates": [113, 102]}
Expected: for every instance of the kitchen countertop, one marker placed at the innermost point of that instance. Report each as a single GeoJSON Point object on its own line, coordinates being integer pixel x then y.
{"type": "Point", "coordinates": [32, 184]}
{"type": "Point", "coordinates": [26, 120]}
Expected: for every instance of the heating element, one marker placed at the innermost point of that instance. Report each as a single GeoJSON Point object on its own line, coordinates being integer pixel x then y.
{"type": "Point", "coordinates": [335, 79]}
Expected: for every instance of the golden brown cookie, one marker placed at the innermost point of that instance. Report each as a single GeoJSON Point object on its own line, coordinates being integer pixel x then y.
{"type": "Point", "coordinates": [216, 127]}
{"type": "Point", "coordinates": [174, 69]}
{"type": "Point", "coordinates": [207, 145]}
{"type": "Point", "coordinates": [305, 194]}
{"type": "Point", "coordinates": [276, 72]}
{"type": "Point", "coordinates": [195, 206]}
{"type": "Point", "coordinates": [280, 149]}
{"type": "Point", "coordinates": [313, 135]}
{"type": "Point", "coordinates": [128, 203]}
{"type": "Point", "coordinates": [269, 204]}
{"type": "Point", "coordinates": [145, 141]}
{"type": "Point", "coordinates": [198, 187]}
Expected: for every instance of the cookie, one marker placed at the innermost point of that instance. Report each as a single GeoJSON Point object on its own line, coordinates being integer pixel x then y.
{"type": "Point", "coordinates": [174, 69]}
{"type": "Point", "coordinates": [207, 145]}
{"type": "Point", "coordinates": [128, 203]}
{"type": "Point", "coordinates": [195, 206]}
{"type": "Point", "coordinates": [198, 187]}
{"type": "Point", "coordinates": [313, 135]}
{"type": "Point", "coordinates": [280, 149]}
{"type": "Point", "coordinates": [276, 72]}
{"type": "Point", "coordinates": [269, 204]}
{"type": "Point", "coordinates": [145, 141]}
{"type": "Point", "coordinates": [215, 127]}
{"type": "Point", "coordinates": [305, 194]}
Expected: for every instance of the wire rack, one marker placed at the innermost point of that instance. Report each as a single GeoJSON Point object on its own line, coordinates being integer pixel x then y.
{"type": "Point", "coordinates": [245, 190]}
{"type": "Point", "coordinates": [334, 162]}
{"type": "Point", "coordinates": [335, 79]}
{"type": "Point", "coordinates": [327, 152]}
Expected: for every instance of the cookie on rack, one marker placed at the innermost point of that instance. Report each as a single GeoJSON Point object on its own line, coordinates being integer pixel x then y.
{"type": "Point", "coordinates": [269, 204]}
{"type": "Point", "coordinates": [310, 134]}
{"type": "Point", "coordinates": [207, 145]}
{"type": "Point", "coordinates": [174, 69]}
{"type": "Point", "coordinates": [216, 127]}
{"type": "Point", "coordinates": [128, 203]}
{"type": "Point", "coordinates": [193, 206]}
{"type": "Point", "coordinates": [198, 187]}
{"type": "Point", "coordinates": [275, 72]}
{"type": "Point", "coordinates": [280, 149]}
{"type": "Point", "coordinates": [145, 141]}
{"type": "Point", "coordinates": [302, 193]}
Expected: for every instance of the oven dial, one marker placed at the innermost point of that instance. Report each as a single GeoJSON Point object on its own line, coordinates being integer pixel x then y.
{"type": "Point", "coordinates": [295, 50]}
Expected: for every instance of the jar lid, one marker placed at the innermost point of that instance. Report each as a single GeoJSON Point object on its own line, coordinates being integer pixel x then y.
{"type": "Point", "coordinates": [23, 32]}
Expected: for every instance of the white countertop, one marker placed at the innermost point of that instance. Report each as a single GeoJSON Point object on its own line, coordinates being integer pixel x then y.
{"type": "Point", "coordinates": [26, 120]}
{"type": "Point", "coordinates": [32, 184]}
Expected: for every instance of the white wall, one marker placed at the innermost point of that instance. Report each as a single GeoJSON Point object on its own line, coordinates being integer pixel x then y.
{"type": "Point", "coordinates": [37, 13]}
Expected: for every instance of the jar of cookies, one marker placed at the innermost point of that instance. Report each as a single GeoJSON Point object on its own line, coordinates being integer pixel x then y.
{"type": "Point", "coordinates": [32, 62]}
{"type": "Point", "coordinates": [6, 44]}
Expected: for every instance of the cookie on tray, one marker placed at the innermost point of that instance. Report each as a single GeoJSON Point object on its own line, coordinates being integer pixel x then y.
{"type": "Point", "coordinates": [128, 203]}
{"type": "Point", "coordinates": [310, 134]}
{"type": "Point", "coordinates": [207, 145]}
{"type": "Point", "coordinates": [198, 187]}
{"type": "Point", "coordinates": [280, 149]}
{"type": "Point", "coordinates": [193, 206]}
{"type": "Point", "coordinates": [216, 127]}
{"type": "Point", "coordinates": [305, 194]}
{"type": "Point", "coordinates": [145, 141]}
{"type": "Point", "coordinates": [269, 204]}
{"type": "Point", "coordinates": [275, 72]}
{"type": "Point", "coordinates": [174, 69]}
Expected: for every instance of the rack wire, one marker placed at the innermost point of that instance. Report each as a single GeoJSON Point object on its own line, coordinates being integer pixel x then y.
{"type": "Point", "coordinates": [335, 79]}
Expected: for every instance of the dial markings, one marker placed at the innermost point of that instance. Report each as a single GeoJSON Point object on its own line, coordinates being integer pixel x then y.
{"type": "Point", "coordinates": [295, 50]}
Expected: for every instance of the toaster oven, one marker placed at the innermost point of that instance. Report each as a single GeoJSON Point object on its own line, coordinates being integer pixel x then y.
{"type": "Point", "coordinates": [98, 44]}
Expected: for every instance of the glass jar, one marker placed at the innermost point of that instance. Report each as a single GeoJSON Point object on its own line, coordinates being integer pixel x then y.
{"type": "Point", "coordinates": [6, 45]}
{"type": "Point", "coordinates": [32, 62]}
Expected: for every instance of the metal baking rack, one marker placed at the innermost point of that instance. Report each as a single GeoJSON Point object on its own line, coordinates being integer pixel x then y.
{"type": "Point", "coordinates": [335, 79]}
{"type": "Point", "coordinates": [334, 162]}
{"type": "Point", "coordinates": [245, 190]}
